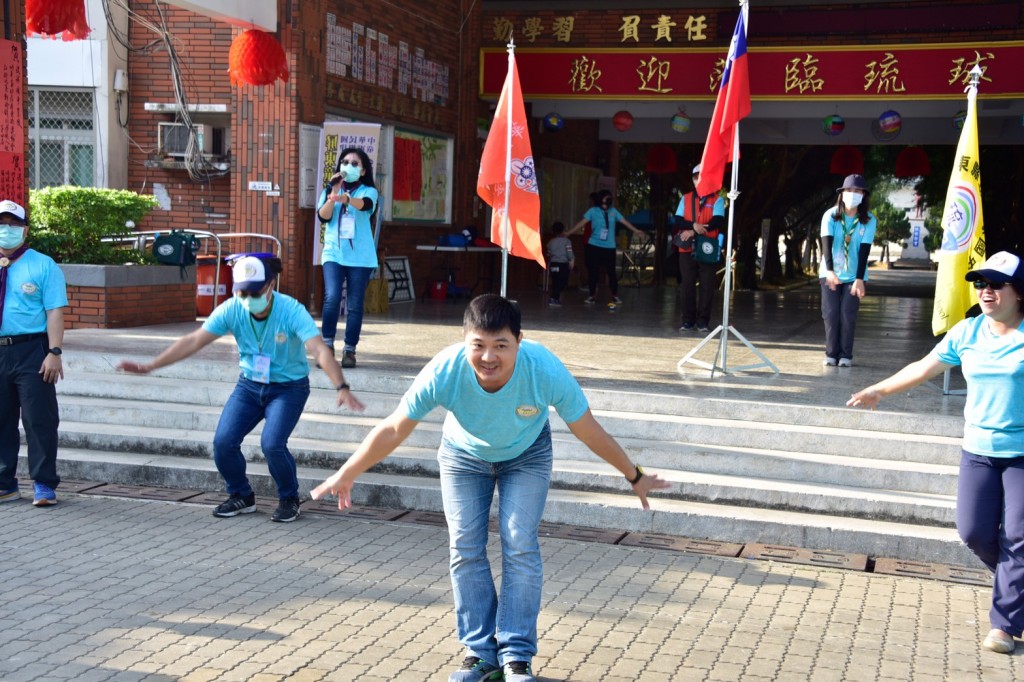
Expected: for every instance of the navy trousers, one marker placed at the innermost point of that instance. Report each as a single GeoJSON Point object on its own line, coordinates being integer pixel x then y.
{"type": "Point", "coordinates": [839, 311]}
{"type": "Point", "coordinates": [990, 519]}
{"type": "Point", "coordinates": [24, 393]}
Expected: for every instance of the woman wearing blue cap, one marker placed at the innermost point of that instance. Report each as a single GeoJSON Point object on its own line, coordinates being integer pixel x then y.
{"type": "Point", "coordinates": [989, 349]}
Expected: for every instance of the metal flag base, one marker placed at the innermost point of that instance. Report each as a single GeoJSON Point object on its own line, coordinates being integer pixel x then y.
{"type": "Point", "coordinates": [724, 368]}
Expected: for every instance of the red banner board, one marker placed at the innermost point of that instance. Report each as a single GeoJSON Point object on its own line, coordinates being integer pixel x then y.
{"type": "Point", "coordinates": [819, 72]}
{"type": "Point", "coordinates": [12, 122]}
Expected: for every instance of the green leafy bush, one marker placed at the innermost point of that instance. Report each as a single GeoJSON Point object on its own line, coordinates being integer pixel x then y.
{"type": "Point", "coordinates": [69, 224]}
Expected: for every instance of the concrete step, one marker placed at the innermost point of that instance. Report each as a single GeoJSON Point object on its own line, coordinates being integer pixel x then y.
{"type": "Point", "coordinates": [590, 509]}
{"type": "Point", "coordinates": [593, 475]}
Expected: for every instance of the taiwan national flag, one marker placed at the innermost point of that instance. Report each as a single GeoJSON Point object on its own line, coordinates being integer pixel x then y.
{"type": "Point", "coordinates": [507, 168]}
{"type": "Point", "coordinates": [732, 105]}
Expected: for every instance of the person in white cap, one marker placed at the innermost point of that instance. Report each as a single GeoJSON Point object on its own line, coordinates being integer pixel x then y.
{"type": "Point", "coordinates": [697, 216]}
{"type": "Point", "coordinates": [273, 332]}
{"type": "Point", "coordinates": [989, 349]}
{"type": "Point", "coordinates": [33, 296]}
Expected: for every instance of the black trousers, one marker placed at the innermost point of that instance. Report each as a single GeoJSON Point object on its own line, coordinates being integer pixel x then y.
{"type": "Point", "coordinates": [24, 393]}
{"type": "Point", "coordinates": [559, 279]}
{"type": "Point", "coordinates": [598, 259]}
{"type": "Point", "coordinates": [696, 300]}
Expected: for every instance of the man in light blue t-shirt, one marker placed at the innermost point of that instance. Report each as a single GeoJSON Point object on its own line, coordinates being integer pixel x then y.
{"type": "Point", "coordinates": [497, 389]}
{"type": "Point", "coordinates": [273, 332]}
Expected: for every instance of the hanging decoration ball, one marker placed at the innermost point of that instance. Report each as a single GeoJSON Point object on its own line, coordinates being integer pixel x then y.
{"type": "Point", "coordinates": [681, 122]}
{"type": "Point", "coordinates": [256, 58]}
{"type": "Point", "coordinates": [65, 18]}
{"type": "Point", "coordinates": [958, 120]}
{"type": "Point", "coordinates": [833, 125]}
{"type": "Point", "coordinates": [553, 122]}
{"type": "Point", "coordinates": [890, 123]}
{"type": "Point", "coordinates": [623, 121]}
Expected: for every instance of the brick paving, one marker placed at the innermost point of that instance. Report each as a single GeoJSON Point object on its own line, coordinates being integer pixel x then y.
{"type": "Point", "coordinates": [102, 588]}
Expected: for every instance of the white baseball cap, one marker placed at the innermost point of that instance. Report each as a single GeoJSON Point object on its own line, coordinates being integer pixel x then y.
{"type": "Point", "coordinates": [250, 273]}
{"type": "Point", "coordinates": [696, 169]}
{"type": "Point", "coordinates": [1000, 267]}
{"type": "Point", "coordinates": [16, 210]}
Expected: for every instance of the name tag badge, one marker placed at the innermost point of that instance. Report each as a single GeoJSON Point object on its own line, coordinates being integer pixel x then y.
{"type": "Point", "coordinates": [603, 234]}
{"type": "Point", "coordinates": [261, 368]}
{"type": "Point", "coordinates": [348, 226]}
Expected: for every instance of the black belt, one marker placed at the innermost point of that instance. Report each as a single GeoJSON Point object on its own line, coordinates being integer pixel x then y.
{"type": "Point", "coordinates": [21, 338]}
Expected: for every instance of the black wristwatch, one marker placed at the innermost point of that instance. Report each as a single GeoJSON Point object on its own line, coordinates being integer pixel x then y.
{"type": "Point", "coordinates": [639, 475]}
{"type": "Point", "coordinates": [55, 350]}
{"type": "Point", "coordinates": [342, 387]}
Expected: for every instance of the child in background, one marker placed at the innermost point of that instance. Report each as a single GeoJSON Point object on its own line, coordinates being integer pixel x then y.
{"type": "Point", "coordinates": [560, 262]}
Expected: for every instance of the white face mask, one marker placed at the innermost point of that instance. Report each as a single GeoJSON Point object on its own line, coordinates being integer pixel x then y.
{"type": "Point", "coordinates": [350, 173]}
{"type": "Point", "coordinates": [852, 199]}
{"type": "Point", "coordinates": [11, 236]}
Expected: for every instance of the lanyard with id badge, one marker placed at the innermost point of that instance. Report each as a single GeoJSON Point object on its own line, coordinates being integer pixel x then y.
{"type": "Point", "coordinates": [346, 225]}
{"type": "Point", "coordinates": [260, 360]}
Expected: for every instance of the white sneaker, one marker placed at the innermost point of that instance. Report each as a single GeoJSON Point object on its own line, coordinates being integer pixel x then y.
{"type": "Point", "coordinates": [845, 362]}
{"type": "Point", "coordinates": [829, 362]}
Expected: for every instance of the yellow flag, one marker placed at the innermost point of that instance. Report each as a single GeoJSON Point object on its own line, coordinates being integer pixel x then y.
{"type": "Point", "coordinates": [963, 234]}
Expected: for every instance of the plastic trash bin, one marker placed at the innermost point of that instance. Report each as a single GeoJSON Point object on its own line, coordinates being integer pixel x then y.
{"type": "Point", "coordinates": [206, 271]}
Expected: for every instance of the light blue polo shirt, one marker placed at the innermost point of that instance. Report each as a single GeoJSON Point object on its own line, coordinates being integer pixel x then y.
{"type": "Point", "coordinates": [35, 284]}
{"type": "Point", "coordinates": [282, 336]}
{"type": "Point", "coordinates": [495, 426]}
{"type": "Point", "coordinates": [602, 225]}
{"type": "Point", "coordinates": [358, 251]}
{"type": "Point", "coordinates": [994, 369]}
{"type": "Point", "coordinates": [844, 261]}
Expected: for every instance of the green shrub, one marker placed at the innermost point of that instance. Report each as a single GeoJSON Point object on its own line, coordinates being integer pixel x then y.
{"type": "Point", "coordinates": [69, 223]}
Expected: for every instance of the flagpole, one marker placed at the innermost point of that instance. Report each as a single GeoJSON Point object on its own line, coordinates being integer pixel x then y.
{"type": "Point", "coordinates": [505, 223]}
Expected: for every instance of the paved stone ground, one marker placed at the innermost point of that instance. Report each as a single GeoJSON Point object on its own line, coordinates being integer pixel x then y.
{"type": "Point", "coordinates": [114, 589]}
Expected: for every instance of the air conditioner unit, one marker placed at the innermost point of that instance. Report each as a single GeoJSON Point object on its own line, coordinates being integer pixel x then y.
{"type": "Point", "coordinates": [173, 139]}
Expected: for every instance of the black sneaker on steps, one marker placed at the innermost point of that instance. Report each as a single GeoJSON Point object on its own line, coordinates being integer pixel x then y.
{"type": "Point", "coordinates": [235, 505]}
{"type": "Point", "coordinates": [287, 511]}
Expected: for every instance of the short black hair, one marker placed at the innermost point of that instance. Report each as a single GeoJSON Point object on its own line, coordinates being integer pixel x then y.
{"type": "Point", "coordinates": [492, 313]}
{"type": "Point", "coordinates": [557, 227]}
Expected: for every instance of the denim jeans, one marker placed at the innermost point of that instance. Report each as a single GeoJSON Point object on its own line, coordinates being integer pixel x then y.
{"type": "Point", "coordinates": [990, 520]}
{"type": "Point", "coordinates": [281, 405]}
{"type": "Point", "coordinates": [496, 629]}
{"type": "Point", "coordinates": [335, 274]}
{"type": "Point", "coordinates": [839, 311]}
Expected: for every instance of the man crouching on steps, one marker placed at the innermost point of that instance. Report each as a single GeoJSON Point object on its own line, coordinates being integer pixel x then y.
{"type": "Point", "coordinates": [497, 389]}
{"type": "Point", "coordinates": [273, 332]}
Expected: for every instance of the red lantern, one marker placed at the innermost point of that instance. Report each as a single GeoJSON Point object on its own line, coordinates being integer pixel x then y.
{"type": "Point", "coordinates": [256, 58]}
{"type": "Point", "coordinates": [912, 162]}
{"type": "Point", "coordinates": [623, 121]}
{"type": "Point", "coordinates": [56, 17]}
{"type": "Point", "coordinates": [847, 160]}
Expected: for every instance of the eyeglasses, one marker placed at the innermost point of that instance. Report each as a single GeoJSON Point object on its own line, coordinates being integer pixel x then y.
{"type": "Point", "coordinates": [980, 284]}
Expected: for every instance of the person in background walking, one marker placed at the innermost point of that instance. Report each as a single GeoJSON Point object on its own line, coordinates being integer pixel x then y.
{"type": "Point", "coordinates": [349, 255]}
{"type": "Point", "coordinates": [600, 248]}
{"type": "Point", "coordinates": [497, 388]}
{"type": "Point", "coordinates": [697, 216]}
{"type": "Point", "coordinates": [273, 332]}
{"type": "Point", "coordinates": [560, 262]}
{"type": "Point", "coordinates": [33, 296]}
{"type": "Point", "coordinates": [989, 349]}
{"type": "Point", "coordinates": [847, 231]}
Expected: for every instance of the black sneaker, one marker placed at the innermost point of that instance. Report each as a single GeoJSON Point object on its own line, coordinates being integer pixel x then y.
{"type": "Point", "coordinates": [348, 359]}
{"type": "Point", "coordinates": [235, 505]}
{"type": "Point", "coordinates": [287, 511]}
{"type": "Point", "coordinates": [518, 671]}
{"type": "Point", "coordinates": [475, 670]}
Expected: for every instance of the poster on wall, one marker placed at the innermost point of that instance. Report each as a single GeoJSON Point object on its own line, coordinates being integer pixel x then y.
{"type": "Point", "coordinates": [12, 122]}
{"type": "Point", "coordinates": [335, 137]}
{"type": "Point", "coordinates": [420, 183]}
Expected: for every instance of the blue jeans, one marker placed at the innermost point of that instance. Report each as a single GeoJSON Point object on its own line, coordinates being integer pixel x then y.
{"type": "Point", "coordinates": [990, 520]}
{"type": "Point", "coordinates": [839, 311]}
{"type": "Point", "coordinates": [281, 405]}
{"type": "Point", "coordinates": [335, 274]}
{"type": "Point", "coordinates": [494, 628]}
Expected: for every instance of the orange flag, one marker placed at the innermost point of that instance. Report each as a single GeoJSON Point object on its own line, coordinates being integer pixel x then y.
{"type": "Point", "coordinates": [508, 177]}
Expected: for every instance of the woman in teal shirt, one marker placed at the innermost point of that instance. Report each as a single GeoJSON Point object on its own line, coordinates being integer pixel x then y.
{"type": "Point", "coordinates": [600, 248]}
{"type": "Point", "coordinates": [989, 349]}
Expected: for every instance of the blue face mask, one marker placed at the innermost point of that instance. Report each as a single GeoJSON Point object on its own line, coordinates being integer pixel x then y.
{"type": "Point", "coordinates": [255, 304]}
{"type": "Point", "coordinates": [350, 173]}
{"type": "Point", "coordinates": [11, 236]}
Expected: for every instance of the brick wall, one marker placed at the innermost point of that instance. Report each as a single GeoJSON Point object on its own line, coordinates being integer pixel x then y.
{"type": "Point", "coordinates": [130, 306]}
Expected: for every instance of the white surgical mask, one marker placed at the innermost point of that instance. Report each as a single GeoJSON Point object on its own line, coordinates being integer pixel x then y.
{"type": "Point", "coordinates": [11, 236]}
{"type": "Point", "coordinates": [351, 173]}
{"type": "Point", "coordinates": [255, 304]}
{"type": "Point", "coordinates": [852, 199]}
